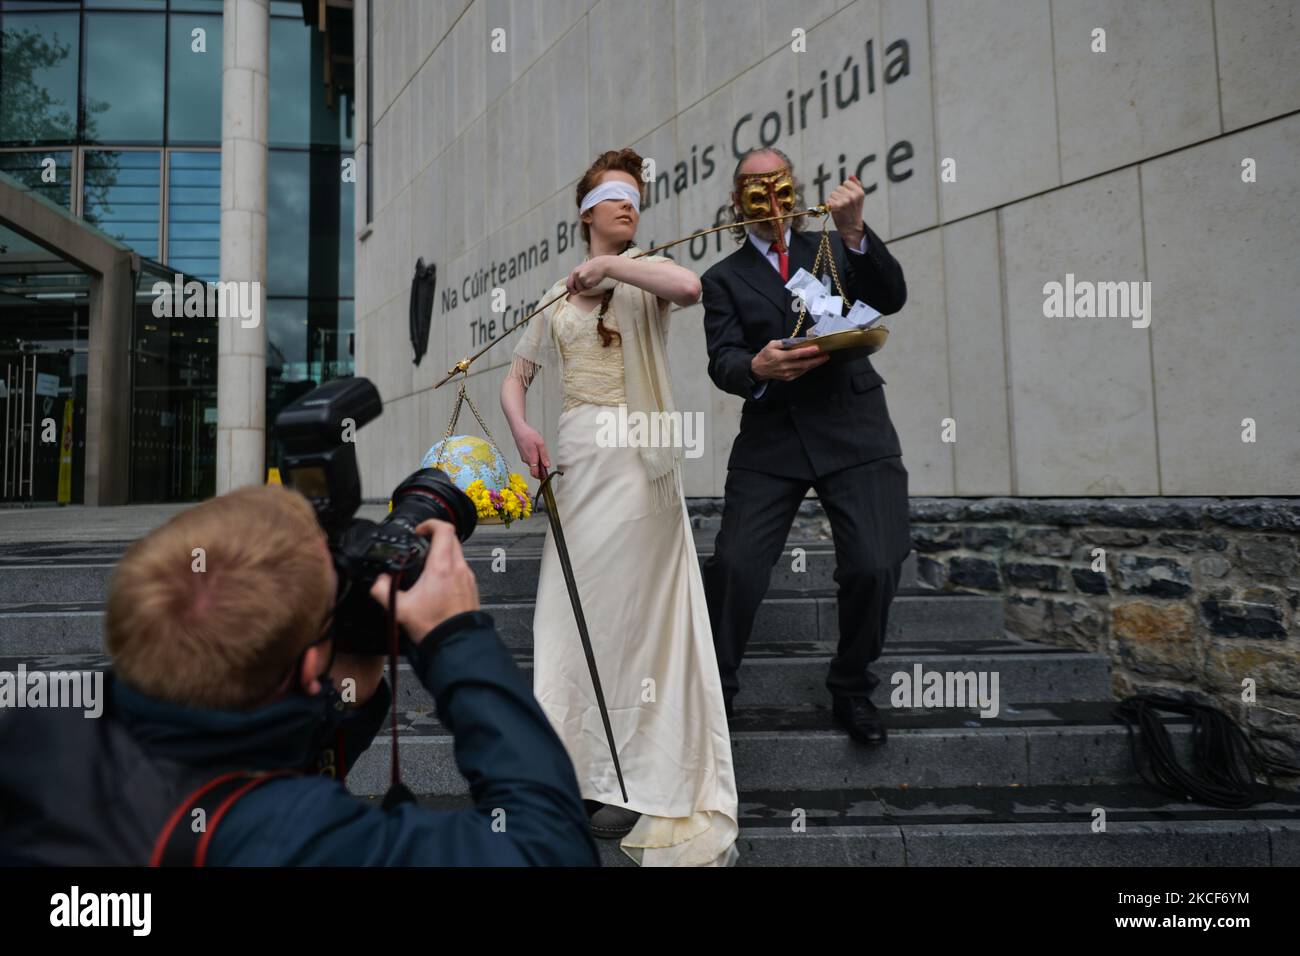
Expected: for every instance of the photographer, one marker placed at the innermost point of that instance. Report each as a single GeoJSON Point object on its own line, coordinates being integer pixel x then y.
{"type": "Point", "coordinates": [224, 698]}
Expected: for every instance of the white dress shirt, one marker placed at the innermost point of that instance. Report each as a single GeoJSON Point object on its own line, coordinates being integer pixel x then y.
{"type": "Point", "coordinates": [768, 248]}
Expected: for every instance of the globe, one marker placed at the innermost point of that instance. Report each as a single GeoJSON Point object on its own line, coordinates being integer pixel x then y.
{"type": "Point", "coordinates": [468, 458]}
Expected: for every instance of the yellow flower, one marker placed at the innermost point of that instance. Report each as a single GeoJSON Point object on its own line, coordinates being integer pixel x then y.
{"type": "Point", "coordinates": [515, 500]}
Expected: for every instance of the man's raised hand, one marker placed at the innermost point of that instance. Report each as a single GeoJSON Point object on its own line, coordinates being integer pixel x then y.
{"type": "Point", "coordinates": [845, 204]}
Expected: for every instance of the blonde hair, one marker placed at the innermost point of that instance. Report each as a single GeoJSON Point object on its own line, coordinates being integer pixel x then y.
{"type": "Point", "coordinates": [221, 633]}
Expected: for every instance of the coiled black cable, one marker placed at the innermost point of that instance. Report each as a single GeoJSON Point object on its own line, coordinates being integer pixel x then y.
{"type": "Point", "coordinates": [1224, 759]}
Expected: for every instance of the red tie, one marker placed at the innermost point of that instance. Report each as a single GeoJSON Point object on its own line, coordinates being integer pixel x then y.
{"type": "Point", "coordinates": [783, 263]}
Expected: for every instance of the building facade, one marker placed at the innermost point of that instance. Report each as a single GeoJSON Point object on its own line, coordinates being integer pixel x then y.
{"type": "Point", "coordinates": [1145, 148]}
{"type": "Point", "coordinates": [112, 111]}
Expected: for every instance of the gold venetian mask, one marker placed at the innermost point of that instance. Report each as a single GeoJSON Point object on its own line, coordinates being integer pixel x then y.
{"type": "Point", "coordinates": [767, 194]}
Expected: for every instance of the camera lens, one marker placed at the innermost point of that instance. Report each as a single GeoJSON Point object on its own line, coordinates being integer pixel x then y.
{"type": "Point", "coordinates": [430, 493]}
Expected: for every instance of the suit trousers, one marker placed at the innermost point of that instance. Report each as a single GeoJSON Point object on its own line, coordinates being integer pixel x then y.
{"type": "Point", "coordinates": [867, 506]}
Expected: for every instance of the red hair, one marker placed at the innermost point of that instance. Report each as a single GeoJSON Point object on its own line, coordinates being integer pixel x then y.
{"type": "Point", "coordinates": [626, 160]}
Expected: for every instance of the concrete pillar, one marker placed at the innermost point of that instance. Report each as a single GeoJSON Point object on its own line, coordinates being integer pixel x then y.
{"type": "Point", "coordinates": [241, 345]}
{"type": "Point", "coordinates": [108, 383]}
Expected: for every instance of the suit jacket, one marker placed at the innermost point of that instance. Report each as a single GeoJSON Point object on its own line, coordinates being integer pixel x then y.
{"type": "Point", "coordinates": [828, 419]}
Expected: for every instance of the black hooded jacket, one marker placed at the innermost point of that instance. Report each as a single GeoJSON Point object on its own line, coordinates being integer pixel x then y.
{"type": "Point", "coordinates": [79, 791]}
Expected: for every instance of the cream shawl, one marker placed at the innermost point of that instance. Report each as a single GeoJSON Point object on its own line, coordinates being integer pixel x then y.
{"type": "Point", "coordinates": [643, 328]}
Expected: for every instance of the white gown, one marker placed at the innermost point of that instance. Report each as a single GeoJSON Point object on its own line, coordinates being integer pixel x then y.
{"type": "Point", "coordinates": [639, 580]}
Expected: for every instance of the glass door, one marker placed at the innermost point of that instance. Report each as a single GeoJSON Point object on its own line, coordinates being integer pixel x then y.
{"type": "Point", "coordinates": [42, 425]}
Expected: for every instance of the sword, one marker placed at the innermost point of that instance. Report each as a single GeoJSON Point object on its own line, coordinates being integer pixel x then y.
{"type": "Point", "coordinates": [553, 515]}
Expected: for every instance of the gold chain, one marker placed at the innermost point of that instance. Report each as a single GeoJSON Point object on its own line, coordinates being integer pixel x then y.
{"type": "Point", "coordinates": [482, 424]}
{"type": "Point", "coordinates": [451, 425]}
{"type": "Point", "coordinates": [823, 250]}
{"type": "Point", "coordinates": [462, 396]}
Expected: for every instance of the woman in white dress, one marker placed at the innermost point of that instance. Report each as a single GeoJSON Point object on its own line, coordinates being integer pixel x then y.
{"type": "Point", "coordinates": [629, 538]}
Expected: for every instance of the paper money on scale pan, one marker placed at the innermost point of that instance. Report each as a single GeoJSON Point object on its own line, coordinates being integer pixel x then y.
{"type": "Point", "coordinates": [826, 310]}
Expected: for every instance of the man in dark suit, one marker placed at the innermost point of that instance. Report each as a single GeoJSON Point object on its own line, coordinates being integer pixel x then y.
{"type": "Point", "coordinates": [810, 419]}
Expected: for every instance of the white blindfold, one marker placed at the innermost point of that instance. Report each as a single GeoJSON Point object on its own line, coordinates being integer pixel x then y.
{"type": "Point", "coordinates": [612, 190]}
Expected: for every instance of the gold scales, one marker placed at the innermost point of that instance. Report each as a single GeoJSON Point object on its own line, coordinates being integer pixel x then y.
{"type": "Point", "coordinates": [872, 340]}
{"type": "Point", "coordinates": [440, 460]}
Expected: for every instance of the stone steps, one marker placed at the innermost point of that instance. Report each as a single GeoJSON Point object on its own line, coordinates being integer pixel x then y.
{"type": "Point", "coordinates": [67, 575]}
{"type": "Point", "coordinates": [813, 616]}
{"type": "Point", "coordinates": [949, 788]}
{"type": "Point", "coordinates": [800, 747]}
{"type": "Point", "coordinates": [1042, 825]}
{"type": "Point", "coordinates": [76, 627]}
{"type": "Point", "coordinates": [775, 675]}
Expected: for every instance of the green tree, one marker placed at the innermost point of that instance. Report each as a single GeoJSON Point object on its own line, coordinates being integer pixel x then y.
{"type": "Point", "coordinates": [31, 114]}
{"type": "Point", "coordinates": [28, 112]}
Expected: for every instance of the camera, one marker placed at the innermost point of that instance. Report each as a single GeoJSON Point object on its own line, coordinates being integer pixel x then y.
{"type": "Point", "coordinates": [318, 459]}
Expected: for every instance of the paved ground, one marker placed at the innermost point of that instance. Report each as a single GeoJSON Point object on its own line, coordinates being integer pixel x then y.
{"type": "Point", "coordinates": [126, 523]}
{"type": "Point", "coordinates": [80, 523]}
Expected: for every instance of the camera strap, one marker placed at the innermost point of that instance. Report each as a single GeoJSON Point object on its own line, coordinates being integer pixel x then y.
{"type": "Point", "coordinates": [398, 793]}
{"type": "Point", "coordinates": [188, 845]}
